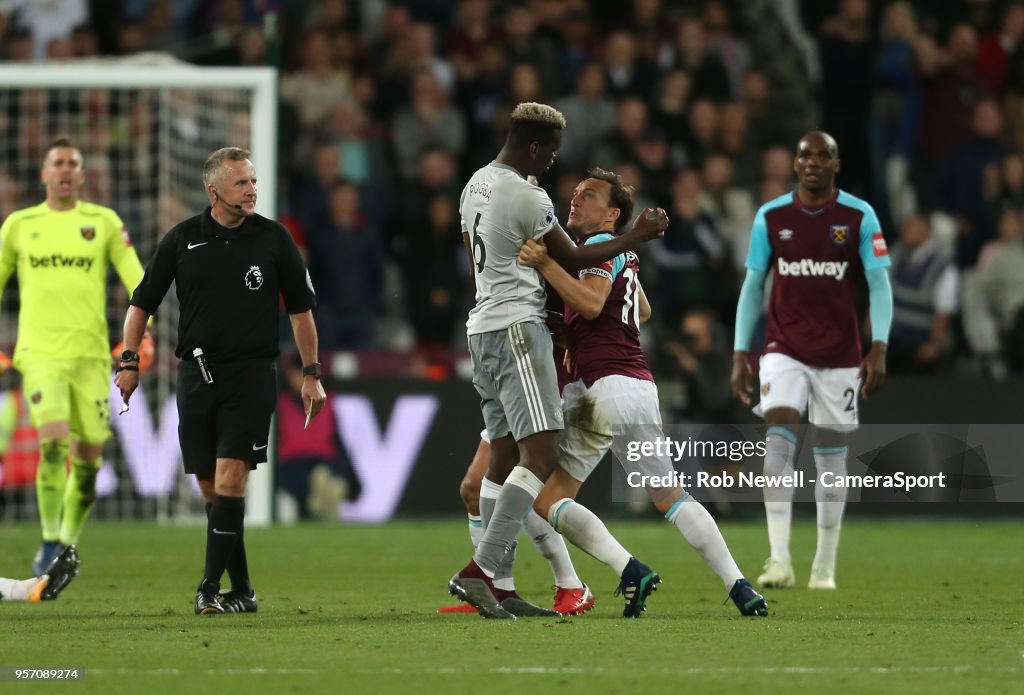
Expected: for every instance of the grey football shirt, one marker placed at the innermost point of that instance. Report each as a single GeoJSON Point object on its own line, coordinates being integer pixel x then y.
{"type": "Point", "coordinates": [500, 211]}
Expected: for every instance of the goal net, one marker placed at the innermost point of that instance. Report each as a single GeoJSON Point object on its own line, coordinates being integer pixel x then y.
{"type": "Point", "coordinates": [145, 127]}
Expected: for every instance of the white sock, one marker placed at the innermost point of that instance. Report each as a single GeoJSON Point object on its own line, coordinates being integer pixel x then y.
{"type": "Point", "coordinates": [489, 493]}
{"type": "Point", "coordinates": [701, 531]}
{"type": "Point", "coordinates": [15, 589]}
{"type": "Point", "coordinates": [831, 504]}
{"type": "Point", "coordinates": [551, 545]}
{"type": "Point", "coordinates": [588, 533]}
{"type": "Point", "coordinates": [780, 447]}
{"type": "Point", "coordinates": [476, 529]}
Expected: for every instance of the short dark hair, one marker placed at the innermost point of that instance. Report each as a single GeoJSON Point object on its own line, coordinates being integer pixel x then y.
{"type": "Point", "coordinates": [62, 141]}
{"type": "Point", "coordinates": [533, 122]}
{"type": "Point", "coordinates": [224, 154]}
{"type": "Point", "coordinates": [620, 196]}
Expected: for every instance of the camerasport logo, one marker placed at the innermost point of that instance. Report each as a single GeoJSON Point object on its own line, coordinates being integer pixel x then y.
{"type": "Point", "coordinates": [254, 278]}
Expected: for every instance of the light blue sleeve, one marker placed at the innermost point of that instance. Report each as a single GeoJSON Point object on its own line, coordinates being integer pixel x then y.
{"type": "Point", "coordinates": [873, 251]}
{"type": "Point", "coordinates": [618, 263]}
{"type": "Point", "coordinates": [759, 255]}
{"type": "Point", "coordinates": [749, 307]}
{"type": "Point", "coordinates": [879, 304]}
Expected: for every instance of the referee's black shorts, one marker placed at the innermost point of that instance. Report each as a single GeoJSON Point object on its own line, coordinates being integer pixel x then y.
{"type": "Point", "coordinates": [229, 418]}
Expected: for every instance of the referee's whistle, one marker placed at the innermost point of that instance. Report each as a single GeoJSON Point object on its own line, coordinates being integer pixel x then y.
{"type": "Point", "coordinates": [204, 368]}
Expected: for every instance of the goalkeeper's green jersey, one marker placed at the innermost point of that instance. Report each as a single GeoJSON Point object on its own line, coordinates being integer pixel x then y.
{"type": "Point", "coordinates": [62, 259]}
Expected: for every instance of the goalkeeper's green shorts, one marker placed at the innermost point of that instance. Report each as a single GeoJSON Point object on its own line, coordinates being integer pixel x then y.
{"type": "Point", "coordinates": [72, 391]}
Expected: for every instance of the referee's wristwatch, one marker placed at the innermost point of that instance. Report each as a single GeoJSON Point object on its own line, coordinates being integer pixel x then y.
{"type": "Point", "coordinates": [312, 370]}
{"type": "Point", "coordinates": [129, 356]}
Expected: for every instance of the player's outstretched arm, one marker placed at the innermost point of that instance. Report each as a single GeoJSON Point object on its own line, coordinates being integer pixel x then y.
{"type": "Point", "coordinates": [880, 307]}
{"type": "Point", "coordinates": [304, 329]}
{"type": "Point", "coordinates": [126, 378]}
{"type": "Point", "coordinates": [586, 297]}
{"type": "Point", "coordinates": [749, 306]}
{"type": "Point", "coordinates": [649, 224]}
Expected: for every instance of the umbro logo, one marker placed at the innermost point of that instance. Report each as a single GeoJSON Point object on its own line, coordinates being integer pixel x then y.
{"type": "Point", "coordinates": [193, 246]}
{"type": "Point", "coordinates": [786, 234]}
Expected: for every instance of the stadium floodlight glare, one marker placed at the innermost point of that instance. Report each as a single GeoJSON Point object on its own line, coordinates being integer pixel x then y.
{"type": "Point", "coordinates": [144, 125]}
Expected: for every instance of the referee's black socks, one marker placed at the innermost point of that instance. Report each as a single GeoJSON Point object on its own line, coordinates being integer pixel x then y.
{"type": "Point", "coordinates": [238, 564]}
{"type": "Point", "coordinates": [223, 533]}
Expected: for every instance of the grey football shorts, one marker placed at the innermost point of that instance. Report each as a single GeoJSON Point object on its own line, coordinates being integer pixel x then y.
{"type": "Point", "coordinates": [514, 373]}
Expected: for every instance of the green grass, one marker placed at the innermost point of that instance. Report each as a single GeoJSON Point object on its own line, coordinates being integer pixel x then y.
{"type": "Point", "coordinates": [922, 607]}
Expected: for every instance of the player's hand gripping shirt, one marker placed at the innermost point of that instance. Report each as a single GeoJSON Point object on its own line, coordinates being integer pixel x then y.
{"type": "Point", "coordinates": [500, 211]}
{"type": "Point", "coordinates": [62, 258]}
{"type": "Point", "coordinates": [818, 255]}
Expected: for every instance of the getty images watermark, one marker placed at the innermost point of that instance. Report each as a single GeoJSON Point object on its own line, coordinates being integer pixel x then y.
{"type": "Point", "coordinates": [735, 451]}
{"type": "Point", "coordinates": [884, 463]}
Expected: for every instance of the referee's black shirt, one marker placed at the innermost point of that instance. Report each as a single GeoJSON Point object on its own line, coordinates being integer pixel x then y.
{"type": "Point", "coordinates": [228, 282]}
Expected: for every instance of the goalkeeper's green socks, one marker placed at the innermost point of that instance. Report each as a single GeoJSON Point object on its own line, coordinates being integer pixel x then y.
{"type": "Point", "coordinates": [79, 497]}
{"type": "Point", "coordinates": [51, 479]}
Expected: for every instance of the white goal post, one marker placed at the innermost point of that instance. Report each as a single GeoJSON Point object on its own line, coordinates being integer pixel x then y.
{"type": "Point", "coordinates": [145, 125]}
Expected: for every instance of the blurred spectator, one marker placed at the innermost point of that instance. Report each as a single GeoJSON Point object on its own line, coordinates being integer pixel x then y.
{"type": "Point", "coordinates": [671, 104]}
{"type": "Point", "coordinates": [316, 87]}
{"type": "Point", "coordinates": [480, 98]}
{"type": "Point", "coordinates": [46, 21]}
{"type": "Point", "coordinates": [777, 165]}
{"type": "Point", "coordinates": [952, 87]}
{"type": "Point", "coordinates": [428, 121]}
{"type": "Point", "coordinates": [347, 128]}
{"type": "Point", "coordinates": [688, 257]}
{"type": "Point", "coordinates": [698, 356]}
{"type": "Point", "coordinates": [437, 174]}
{"type": "Point", "coordinates": [735, 139]}
{"type": "Point", "coordinates": [311, 191]}
{"type": "Point", "coordinates": [846, 61]}
{"type": "Point", "coordinates": [690, 52]}
{"type": "Point", "coordinates": [433, 287]}
{"type": "Point", "coordinates": [649, 27]}
{"type": "Point", "coordinates": [731, 206]}
{"type": "Point", "coordinates": [423, 40]}
{"type": "Point", "coordinates": [16, 44]}
{"type": "Point", "coordinates": [769, 120]}
{"type": "Point", "coordinates": [524, 85]}
{"type": "Point", "coordinates": [723, 43]}
{"type": "Point", "coordinates": [894, 110]}
{"type": "Point", "coordinates": [473, 30]}
{"type": "Point", "coordinates": [524, 45]}
{"type": "Point", "coordinates": [925, 288]}
{"type": "Point", "coordinates": [627, 74]}
{"type": "Point", "coordinates": [576, 46]}
{"type": "Point", "coordinates": [702, 135]}
{"type": "Point", "coordinates": [346, 264]}
{"type": "Point", "coordinates": [631, 120]}
{"type": "Point", "coordinates": [1004, 185]}
{"type": "Point", "coordinates": [85, 43]}
{"type": "Point", "coordinates": [994, 301]}
{"type": "Point", "coordinates": [996, 48]}
{"type": "Point", "coordinates": [960, 187]}
{"type": "Point", "coordinates": [651, 154]}
{"type": "Point", "coordinates": [590, 116]}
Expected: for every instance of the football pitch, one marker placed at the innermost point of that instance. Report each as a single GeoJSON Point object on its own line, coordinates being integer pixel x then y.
{"type": "Point", "coordinates": [923, 606]}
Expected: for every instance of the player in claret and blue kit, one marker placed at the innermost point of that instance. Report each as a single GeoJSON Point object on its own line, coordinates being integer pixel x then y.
{"type": "Point", "coordinates": [820, 241]}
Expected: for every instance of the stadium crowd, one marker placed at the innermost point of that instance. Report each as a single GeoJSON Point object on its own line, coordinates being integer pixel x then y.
{"type": "Point", "coordinates": [387, 107]}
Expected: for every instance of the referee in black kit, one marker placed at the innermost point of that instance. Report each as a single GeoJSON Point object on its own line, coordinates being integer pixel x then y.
{"type": "Point", "coordinates": [230, 265]}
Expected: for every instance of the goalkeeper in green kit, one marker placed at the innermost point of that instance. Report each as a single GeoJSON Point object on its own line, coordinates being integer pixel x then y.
{"type": "Point", "coordinates": [62, 250]}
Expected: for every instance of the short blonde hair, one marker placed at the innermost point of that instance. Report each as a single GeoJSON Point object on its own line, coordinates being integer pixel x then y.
{"type": "Point", "coordinates": [533, 122]}
{"type": "Point", "coordinates": [539, 113]}
{"type": "Point", "coordinates": [224, 154]}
